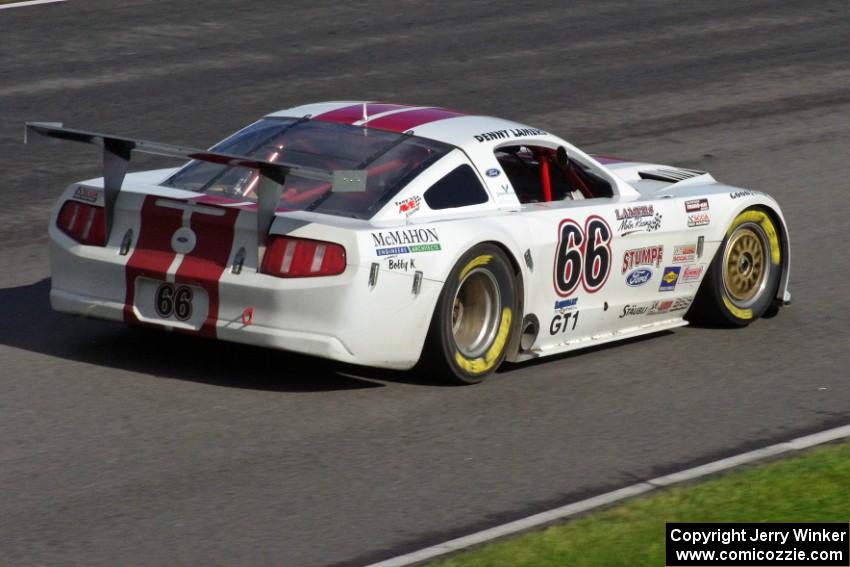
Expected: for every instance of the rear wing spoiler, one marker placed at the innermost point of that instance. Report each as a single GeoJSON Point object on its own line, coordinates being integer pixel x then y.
{"type": "Point", "coordinates": [118, 150]}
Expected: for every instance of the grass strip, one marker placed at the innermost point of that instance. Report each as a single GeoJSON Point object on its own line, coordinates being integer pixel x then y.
{"type": "Point", "coordinates": [811, 486]}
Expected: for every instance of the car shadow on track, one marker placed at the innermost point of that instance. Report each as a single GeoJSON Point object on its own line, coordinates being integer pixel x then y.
{"type": "Point", "coordinates": [31, 325]}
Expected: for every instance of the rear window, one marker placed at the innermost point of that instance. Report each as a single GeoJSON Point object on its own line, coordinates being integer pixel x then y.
{"type": "Point", "coordinates": [459, 188]}
{"type": "Point", "coordinates": [391, 161]}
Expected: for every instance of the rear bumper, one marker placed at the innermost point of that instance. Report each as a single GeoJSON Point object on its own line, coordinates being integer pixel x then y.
{"type": "Point", "coordinates": [315, 344]}
{"type": "Point", "coordinates": [340, 318]}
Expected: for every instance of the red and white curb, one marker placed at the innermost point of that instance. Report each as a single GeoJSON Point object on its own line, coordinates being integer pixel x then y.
{"type": "Point", "coordinates": [608, 498]}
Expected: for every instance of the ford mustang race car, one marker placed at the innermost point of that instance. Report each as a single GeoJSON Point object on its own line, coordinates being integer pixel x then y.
{"type": "Point", "coordinates": [396, 236]}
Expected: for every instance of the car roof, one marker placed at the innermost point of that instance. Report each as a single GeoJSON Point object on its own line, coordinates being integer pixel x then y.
{"type": "Point", "coordinates": [467, 131]}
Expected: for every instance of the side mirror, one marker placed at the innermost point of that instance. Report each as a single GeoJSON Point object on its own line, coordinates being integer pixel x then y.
{"type": "Point", "coordinates": [561, 155]}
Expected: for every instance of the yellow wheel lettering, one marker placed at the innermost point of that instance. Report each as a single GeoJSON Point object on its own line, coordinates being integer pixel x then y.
{"type": "Point", "coordinates": [470, 366]}
{"type": "Point", "coordinates": [737, 311]}
{"type": "Point", "coordinates": [477, 261]}
{"type": "Point", "coordinates": [495, 349]}
{"type": "Point", "coordinates": [483, 364]}
{"type": "Point", "coordinates": [764, 221]}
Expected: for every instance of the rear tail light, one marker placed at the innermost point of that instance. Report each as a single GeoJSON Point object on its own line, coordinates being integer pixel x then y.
{"type": "Point", "coordinates": [84, 223]}
{"type": "Point", "coordinates": [300, 258]}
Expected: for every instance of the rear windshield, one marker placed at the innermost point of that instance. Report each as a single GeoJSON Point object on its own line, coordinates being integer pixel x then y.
{"type": "Point", "coordinates": [391, 160]}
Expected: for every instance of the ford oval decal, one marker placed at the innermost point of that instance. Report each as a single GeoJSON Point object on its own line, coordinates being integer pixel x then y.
{"type": "Point", "coordinates": [493, 172]}
{"type": "Point", "coordinates": [638, 277]}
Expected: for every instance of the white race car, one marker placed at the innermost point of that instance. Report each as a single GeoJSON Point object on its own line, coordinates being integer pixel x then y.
{"type": "Point", "coordinates": [397, 236]}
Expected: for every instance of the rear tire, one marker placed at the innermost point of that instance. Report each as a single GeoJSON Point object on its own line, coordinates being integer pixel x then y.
{"type": "Point", "coordinates": [744, 275]}
{"type": "Point", "coordinates": [474, 318]}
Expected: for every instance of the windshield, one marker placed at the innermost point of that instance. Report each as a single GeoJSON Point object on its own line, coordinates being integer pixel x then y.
{"type": "Point", "coordinates": [391, 160]}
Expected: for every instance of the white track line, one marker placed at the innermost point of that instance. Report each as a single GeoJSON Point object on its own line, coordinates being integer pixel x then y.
{"type": "Point", "coordinates": [555, 514]}
{"type": "Point", "coordinates": [28, 3]}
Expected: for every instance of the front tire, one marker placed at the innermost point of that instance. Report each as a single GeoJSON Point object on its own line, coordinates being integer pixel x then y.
{"type": "Point", "coordinates": [743, 278]}
{"type": "Point", "coordinates": [474, 317]}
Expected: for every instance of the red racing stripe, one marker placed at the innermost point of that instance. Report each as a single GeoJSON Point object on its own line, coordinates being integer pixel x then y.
{"type": "Point", "coordinates": [204, 266]}
{"type": "Point", "coordinates": [404, 121]}
{"type": "Point", "coordinates": [153, 254]}
{"type": "Point", "coordinates": [354, 113]}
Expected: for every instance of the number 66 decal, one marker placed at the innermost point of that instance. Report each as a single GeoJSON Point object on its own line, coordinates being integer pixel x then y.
{"type": "Point", "coordinates": [582, 255]}
{"type": "Point", "coordinates": [174, 300]}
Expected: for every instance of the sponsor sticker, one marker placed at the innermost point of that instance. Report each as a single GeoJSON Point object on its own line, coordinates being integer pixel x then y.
{"type": "Point", "coordinates": [669, 278]}
{"type": "Point", "coordinates": [642, 257]}
{"type": "Point", "coordinates": [508, 134]}
{"type": "Point", "coordinates": [640, 218]}
{"type": "Point", "coordinates": [668, 305]}
{"type": "Point", "coordinates": [493, 172]}
{"type": "Point", "coordinates": [662, 306]}
{"type": "Point", "coordinates": [696, 205]}
{"type": "Point", "coordinates": [638, 277]}
{"type": "Point", "coordinates": [634, 212]}
{"type": "Point", "coordinates": [632, 310]}
{"type": "Point", "coordinates": [699, 219]}
{"type": "Point", "coordinates": [86, 194]}
{"type": "Point", "coordinates": [681, 303]}
{"type": "Point", "coordinates": [684, 253]}
{"type": "Point", "coordinates": [690, 274]}
{"type": "Point", "coordinates": [741, 194]}
{"type": "Point", "coordinates": [409, 206]}
{"type": "Point", "coordinates": [563, 304]}
{"type": "Point", "coordinates": [405, 241]}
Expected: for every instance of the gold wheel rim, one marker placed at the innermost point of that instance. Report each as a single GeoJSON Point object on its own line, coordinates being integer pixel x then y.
{"type": "Point", "coordinates": [744, 265]}
{"type": "Point", "coordinates": [476, 313]}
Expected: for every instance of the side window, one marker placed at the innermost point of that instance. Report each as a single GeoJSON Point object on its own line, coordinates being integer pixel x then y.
{"type": "Point", "coordinates": [458, 188]}
{"type": "Point", "coordinates": [538, 177]}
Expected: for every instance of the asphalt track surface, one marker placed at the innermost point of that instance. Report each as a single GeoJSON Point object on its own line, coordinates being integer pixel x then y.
{"type": "Point", "coordinates": [123, 446]}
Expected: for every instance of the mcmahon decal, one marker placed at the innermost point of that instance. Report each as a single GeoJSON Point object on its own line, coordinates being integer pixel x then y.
{"type": "Point", "coordinates": [406, 241]}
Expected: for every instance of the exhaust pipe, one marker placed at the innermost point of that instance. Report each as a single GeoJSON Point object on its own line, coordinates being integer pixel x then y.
{"type": "Point", "coordinates": [528, 335]}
